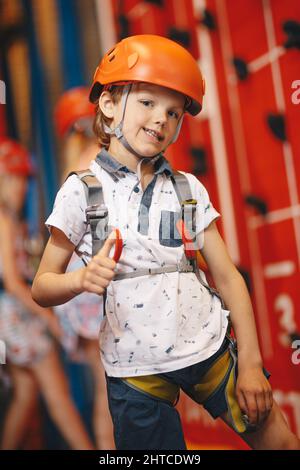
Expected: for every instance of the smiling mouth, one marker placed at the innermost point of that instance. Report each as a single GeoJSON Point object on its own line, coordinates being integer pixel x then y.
{"type": "Point", "coordinates": [153, 134]}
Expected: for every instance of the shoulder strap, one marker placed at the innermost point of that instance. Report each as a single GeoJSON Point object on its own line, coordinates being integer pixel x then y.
{"type": "Point", "coordinates": [92, 186]}
{"type": "Point", "coordinates": [96, 211]}
{"type": "Point", "coordinates": [188, 215]}
{"type": "Point", "coordinates": [181, 186]}
{"type": "Point", "coordinates": [187, 203]}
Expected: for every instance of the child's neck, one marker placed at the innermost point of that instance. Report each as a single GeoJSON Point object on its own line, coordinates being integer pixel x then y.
{"type": "Point", "coordinates": [129, 160]}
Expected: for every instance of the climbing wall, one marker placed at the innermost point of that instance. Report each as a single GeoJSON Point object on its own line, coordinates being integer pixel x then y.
{"type": "Point", "coordinates": [244, 148]}
{"type": "Point", "coordinates": [252, 60]}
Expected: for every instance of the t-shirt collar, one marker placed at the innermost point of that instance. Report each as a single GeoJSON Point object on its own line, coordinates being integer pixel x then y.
{"type": "Point", "coordinates": [111, 165]}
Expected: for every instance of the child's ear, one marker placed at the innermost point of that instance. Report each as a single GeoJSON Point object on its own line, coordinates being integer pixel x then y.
{"type": "Point", "coordinates": [106, 104]}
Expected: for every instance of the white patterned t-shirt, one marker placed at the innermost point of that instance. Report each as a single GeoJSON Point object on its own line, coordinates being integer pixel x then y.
{"type": "Point", "coordinates": [153, 323]}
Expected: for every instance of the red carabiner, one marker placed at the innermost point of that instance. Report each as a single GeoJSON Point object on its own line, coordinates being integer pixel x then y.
{"type": "Point", "coordinates": [188, 243]}
{"type": "Point", "coordinates": [187, 240]}
{"type": "Point", "coordinates": [118, 246]}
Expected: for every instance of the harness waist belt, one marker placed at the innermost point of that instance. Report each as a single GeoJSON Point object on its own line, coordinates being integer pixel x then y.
{"type": "Point", "coordinates": [149, 271]}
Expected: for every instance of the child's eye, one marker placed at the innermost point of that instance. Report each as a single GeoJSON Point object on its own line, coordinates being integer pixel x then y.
{"type": "Point", "coordinates": [146, 102]}
{"type": "Point", "coordinates": [150, 103]}
{"type": "Point", "coordinates": [174, 114]}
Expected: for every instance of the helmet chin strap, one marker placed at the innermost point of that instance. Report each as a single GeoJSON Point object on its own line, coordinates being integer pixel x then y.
{"type": "Point", "coordinates": [118, 130]}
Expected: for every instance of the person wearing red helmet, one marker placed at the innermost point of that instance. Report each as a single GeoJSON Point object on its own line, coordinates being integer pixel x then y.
{"type": "Point", "coordinates": [16, 166]}
{"type": "Point", "coordinates": [165, 328]}
{"type": "Point", "coordinates": [80, 318]}
{"type": "Point", "coordinates": [24, 326]}
{"type": "Point", "coordinates": [74, 115]}
{"type": "Point", "coordinates": [74, 111]}
{"type": "Point", "coordinates": [14, 159]}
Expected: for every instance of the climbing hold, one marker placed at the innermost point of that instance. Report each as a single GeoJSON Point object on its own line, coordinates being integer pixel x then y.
{"type": "Point", "coordinates": [124, 26]}
{"type": "Point", "coordinates": [276, 123]}
{"type": "Point", "coordinates": [295, 336]}
{"type": "Point", "coordinates": [159, 3]}
{"type": "Point", "coordinates": [241, 68]}
{"type": "Point", "coordinates": [181, 36]}
{"type": "Point", "coordinates": [259, 204]}
{"type": "Point", "coordinates": [208, 20]}
{"type": "Point", "coordinates": [292, 29]}
{"type": "Point", "coordinates": [199, 160]}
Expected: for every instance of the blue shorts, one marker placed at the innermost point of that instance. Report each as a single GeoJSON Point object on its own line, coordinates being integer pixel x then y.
{"type": "Point", "coordinates": [143, 411]}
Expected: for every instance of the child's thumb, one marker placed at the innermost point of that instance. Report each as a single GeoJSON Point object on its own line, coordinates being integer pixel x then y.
{"type": "Point", "coordinates": [109, 243]}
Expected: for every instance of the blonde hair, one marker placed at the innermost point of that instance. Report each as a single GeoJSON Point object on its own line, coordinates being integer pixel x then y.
{"type": "Point", "coordinates": [101, 119]}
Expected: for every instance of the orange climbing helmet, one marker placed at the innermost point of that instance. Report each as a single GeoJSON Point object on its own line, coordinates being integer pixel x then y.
{"type": "Point", "coordinates": [72, 106]}
{"type": "Point", "coordinates": [151, 59]}
{"type": "Point", "coordinates": [14, 159]}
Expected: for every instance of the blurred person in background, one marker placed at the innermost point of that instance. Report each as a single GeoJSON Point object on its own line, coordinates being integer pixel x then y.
{"type": "Point", "coordinates": [74, 116]}
{"type": "Point", "coordinates": [27, 329]}
{"type": "Point", "coordinates": [80, 318]}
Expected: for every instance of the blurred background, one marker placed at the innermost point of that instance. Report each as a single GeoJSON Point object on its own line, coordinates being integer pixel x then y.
{"type": "Point", "coordinates": [244, 147]}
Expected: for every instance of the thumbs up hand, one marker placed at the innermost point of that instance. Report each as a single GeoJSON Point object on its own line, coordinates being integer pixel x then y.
{"type": "Point", "coordinates": [97, 275]}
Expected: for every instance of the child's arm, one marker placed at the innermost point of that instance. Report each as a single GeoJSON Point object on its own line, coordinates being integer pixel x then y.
{"type": "Point", "coordinates": [53, 286]}
{"type": "Point", "coordinates": [253, 389]}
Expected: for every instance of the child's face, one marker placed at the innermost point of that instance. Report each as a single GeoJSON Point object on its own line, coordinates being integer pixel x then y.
{"type": "Point", "coordinates": [151, 118]}
{"type": "Point", "coordinates": [13, 191]}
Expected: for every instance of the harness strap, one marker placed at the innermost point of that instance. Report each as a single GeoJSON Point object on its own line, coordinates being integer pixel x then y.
{"type": "Point", "coordinates": [96, 211]}
{"type": "Point", "coordinates": [155, 387]}
{"type": "Point", "coordinates": [181, 186]}
{"type": "Point", "coordinates": [91, 186]}
{"type": "Point", "coordinates": [188, 214]}
{"type": "Point", "coordinates": [212, 379]}
{"type": "Point", "coordinates": [97, 217]}
{"type": "Point", "coordinates": [146, 272]}
{"type": "Point", "coordinates": [188, 208]}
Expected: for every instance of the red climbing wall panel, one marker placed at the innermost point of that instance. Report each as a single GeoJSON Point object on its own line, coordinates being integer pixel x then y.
{"type": "Point", "coordinates": [263, 166]}
{"type": "Point", "coordinates": [243, 158]}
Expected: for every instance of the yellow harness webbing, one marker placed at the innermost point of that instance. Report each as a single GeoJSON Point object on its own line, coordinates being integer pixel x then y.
{"type": "Point", "coordinates": [155, 386]}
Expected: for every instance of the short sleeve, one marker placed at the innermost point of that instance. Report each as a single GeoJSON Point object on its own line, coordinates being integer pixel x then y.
{"type": "Point", "coordinates": [206, 212]}
{"type": "Point", "coordinates": [68, 212]}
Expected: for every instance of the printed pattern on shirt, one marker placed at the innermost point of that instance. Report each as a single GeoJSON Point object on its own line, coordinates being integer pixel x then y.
{"type": "Point", "coordinates": [153, 323]}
